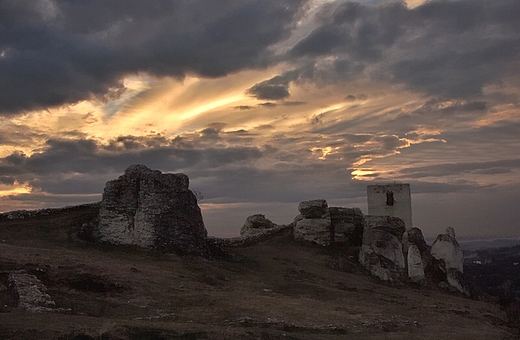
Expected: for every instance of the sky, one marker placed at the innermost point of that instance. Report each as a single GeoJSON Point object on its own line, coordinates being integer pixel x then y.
{"type": "Point", "coordinates": [267, 103]}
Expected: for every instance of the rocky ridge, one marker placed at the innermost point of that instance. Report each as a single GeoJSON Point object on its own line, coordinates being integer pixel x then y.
{"type": "Point", "coordinates": [247, 284]}
{"type": "Point", "coordinates": [26, 214]}
{"type": "Point", "coordinates": [152, 210]}
{"type": "Point", "coordinates": [387, 249]}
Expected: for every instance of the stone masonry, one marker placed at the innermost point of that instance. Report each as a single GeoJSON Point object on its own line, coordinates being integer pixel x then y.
{"type": "Point", "coordinates": [391, 200]}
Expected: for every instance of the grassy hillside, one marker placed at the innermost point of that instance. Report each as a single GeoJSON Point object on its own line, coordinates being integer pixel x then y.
{"type": "Point", "coordinates": [277, 289]}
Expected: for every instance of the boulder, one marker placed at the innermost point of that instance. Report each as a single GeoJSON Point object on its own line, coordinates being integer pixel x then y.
{"type": "Point", "coordinates": [346, 225]}
{"type": "Point", "coordinates": [313, 209]}
{"type": "Point", "coordinates": [414, 236]}
{"type": "Point", "coordinates": [415, 264]}
{"type": "Point", "coordinates": [417, 254]}
{"type": "Point", "coordinates": [152, 210]}
{"type": "Point", "coordinates": [317, 223]}
{"type": "Point", "coordinates": [382, 251]}
{"type": "Point", "coordinates": [255, 224]}
{"type": "Point", "coordinates": [314, 230]}
{"type": "Point", "coordinates": [391, 225]}
{"type": "Point", "coordinates": [30, 292]}
{"type": "Point", "coordinates": [313, 224]}
{"type": "Point", "coordinates": [447, 249]}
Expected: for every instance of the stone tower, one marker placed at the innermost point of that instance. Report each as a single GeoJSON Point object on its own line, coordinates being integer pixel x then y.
{"type": "Point", "coordinates": [391, 200]}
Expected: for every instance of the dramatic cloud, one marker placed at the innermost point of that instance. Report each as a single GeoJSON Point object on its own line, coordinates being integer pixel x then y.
{"type": "Point", "coordinates": [490, 168]}
{"type": "Point", "coordinates": [62, 52]}
{"type": "Point", "coordinates": [447, 48]}
{"type": "Point", "coordinates": [266, 103]}
{"type": "Point", "coordinates": [273, 89]}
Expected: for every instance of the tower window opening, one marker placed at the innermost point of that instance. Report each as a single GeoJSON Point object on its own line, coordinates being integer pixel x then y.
{"type": "Point", "coordinates": [390, 198]}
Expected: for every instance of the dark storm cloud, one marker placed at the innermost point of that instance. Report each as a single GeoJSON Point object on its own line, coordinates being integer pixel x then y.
{"type": "Point", "coordinates": [425, 187]}
{"type": "Point", "coordinates": [61, 52]}
{"type": "Point", "coordinates": [447, 48]}
{"type": "Point", "coordinates": [225, 162]}
{"type": "Point", "coordinates": [353, 98]}
{"type": "Point", "coordinates": [391, 142]}
{"type": "Point", "coordinates": [439, 170]}
{"type": "Point", "coordinates": [435, 113]}
{"type": "Point", "coordinates": [68, 166]}
{"type": "Point", "coordinates": [362, 31]}
{"type": "Point", "coordinates": [505, 131]}
{"type": "Point", "coordinates": [126, 143]}
{"type": "Point", "coordinates": [293, 103]}
{"type": "Point", "coordinates": [276, 88]}
{"type": "Point", "coordinates": [269, 91]}
{"type": "Point", "coordinates": [435, 105]}
{"type": "Point", "coordinates": [9, 180]}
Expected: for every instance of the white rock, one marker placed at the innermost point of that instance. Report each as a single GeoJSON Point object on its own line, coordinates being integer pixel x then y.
{"type": "Point", "coordinates": [382, 250]}
{"type": "Point", "coordinates": [447, 248]}
{"type": "Point", "coordinates": [314, 208]}
{"type": "Point", "coordinates": [415, 264]}
{"type": "Point", "coordinates": [31, 292]}
{"type": "Point", "coordinates": [315, 230]}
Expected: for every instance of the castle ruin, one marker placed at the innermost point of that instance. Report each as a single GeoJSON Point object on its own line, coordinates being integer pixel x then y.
{"type": "Point", "coordinates": [392, 200]}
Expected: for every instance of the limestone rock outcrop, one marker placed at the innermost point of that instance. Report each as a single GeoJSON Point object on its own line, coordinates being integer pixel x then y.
{"type": "Point", "coordinates": [31, 293]}
{"type": "Point", "coordinates": [347, 225]}
{"type": "Point", "coordinates": [152, 210]}
{"type": "Point", "coordinates": [314, 224]}
{"type": "Point", "coordinates": [255, 224]}
{"type": "Point", "coordinates": [417, 254]}
{"type": "Point", "coordinates": [320, 224]}
{"type": "Point", "coordinates": [314, 208]}
{"type": "Point", "coordinates": [382, 250]}
{"type": "Point", "coordinates": [415, 264]}
{"type": "Point", "coordinates": [447, 249]}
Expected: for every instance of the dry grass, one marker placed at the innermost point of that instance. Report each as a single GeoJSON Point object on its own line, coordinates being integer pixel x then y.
{"type": "Point", "coordinates": [273, 290]}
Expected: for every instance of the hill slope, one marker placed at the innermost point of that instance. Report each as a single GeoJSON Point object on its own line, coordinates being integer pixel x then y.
{"type": "Point", "coordinates": [277, 289]}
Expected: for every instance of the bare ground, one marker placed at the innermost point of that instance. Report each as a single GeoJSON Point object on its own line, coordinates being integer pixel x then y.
{"type": "Point", "coordinates": [277, 289]}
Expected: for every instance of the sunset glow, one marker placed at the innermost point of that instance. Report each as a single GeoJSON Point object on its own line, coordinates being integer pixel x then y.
{"type": "Point", "coordinates": [266, 104]}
